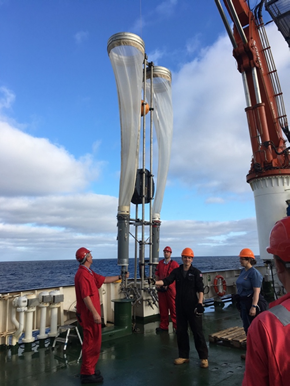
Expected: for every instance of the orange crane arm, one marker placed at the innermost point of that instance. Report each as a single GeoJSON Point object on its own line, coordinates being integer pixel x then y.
{"type": "Point", "coordinates": [265, 110]}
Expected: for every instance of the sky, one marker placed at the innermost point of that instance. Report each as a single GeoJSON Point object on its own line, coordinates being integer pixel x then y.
{"type": "Point", "coordinates": [60, 128]}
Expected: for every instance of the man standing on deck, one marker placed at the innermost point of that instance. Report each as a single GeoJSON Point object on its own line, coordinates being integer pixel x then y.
{"type": "Point", "coordinates": [189, 308]}
{"type": "Point", "coordinates": [268, 339]}
{"type": "Point", "coordinates": [166, 295]}
{"type": "Point", "coordinates": [87, 284]}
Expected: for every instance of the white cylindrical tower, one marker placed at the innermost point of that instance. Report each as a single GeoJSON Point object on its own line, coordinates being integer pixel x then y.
{"type": "Point", "coordinates": [271, 194]}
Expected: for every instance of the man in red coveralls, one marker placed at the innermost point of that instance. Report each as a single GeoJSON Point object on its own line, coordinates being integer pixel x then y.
{"type": "Point", "coordinates": [87, 284]}
{"type": "Point", "coordinates": [268, 339]}
{"type": "Point", "coordinates": [166, 295]}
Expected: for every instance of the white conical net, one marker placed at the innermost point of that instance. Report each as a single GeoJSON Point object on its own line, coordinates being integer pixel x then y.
{"type": "Point", "coordinates": [127, 56]}
{"type": "Point", "coordinates": [163, 123]}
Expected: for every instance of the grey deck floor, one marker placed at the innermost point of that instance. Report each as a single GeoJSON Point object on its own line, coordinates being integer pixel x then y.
{"type": "Point", "coordinates": [142, 358]}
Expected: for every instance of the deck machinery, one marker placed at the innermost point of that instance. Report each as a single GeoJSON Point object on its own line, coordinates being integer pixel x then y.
{"type": "Point", "coordinates": [142, 88]}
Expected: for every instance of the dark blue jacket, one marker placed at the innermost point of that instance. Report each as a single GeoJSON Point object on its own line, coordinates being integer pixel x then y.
{"type": "Point", "coordinates": [186, 287]}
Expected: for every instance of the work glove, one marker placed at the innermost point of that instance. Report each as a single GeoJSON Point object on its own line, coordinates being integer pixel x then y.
{"type": "Point", "coordinates": [151, 280]}
{"type": "Point", "coordinates": [199, 309]}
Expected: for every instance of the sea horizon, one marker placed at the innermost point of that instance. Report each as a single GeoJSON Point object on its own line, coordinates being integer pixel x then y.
{"type": "Point", "coordinates": [38, 274]}
{"type": "Point", "coordinates": [115, 258]}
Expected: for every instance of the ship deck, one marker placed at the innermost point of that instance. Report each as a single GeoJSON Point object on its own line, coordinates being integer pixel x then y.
{"type": "Point", "coordinates": [141, 358]}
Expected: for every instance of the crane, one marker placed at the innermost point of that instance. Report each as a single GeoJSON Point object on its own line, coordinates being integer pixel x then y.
{"type": "Point", "coordinates": [269, 174]}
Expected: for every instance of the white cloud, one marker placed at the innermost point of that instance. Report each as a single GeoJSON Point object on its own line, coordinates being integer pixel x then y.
{"type": "Point", "coordinates": [215, 200]}
{"type": "Point", "coordinates": [155, 56]}
{"type": "Point", "coordinates": [57, 228]}
{"type": "Point", "coordinates": [7, 98]}
{"type": "Point", "coordinates": [162, 11]}
{"type": "Point", "coordinates": [41, 217]}
{"type": "Point", "coordinates": [81, 36]}
{"type": "Point", "coordinates": [84, 213]}
{"type": "Point", "coordinates": [210, 238]}
{"type": "Point", "coordinates": [193, 44]}
{"type": "Point", "coordinates": [211, 144]}
{"type": "Point", "coordinates": [166, 8]}
{"type": "Point", "coordinates": [35, 228]}
{"type": "Point", "coordinates": [34, 166]}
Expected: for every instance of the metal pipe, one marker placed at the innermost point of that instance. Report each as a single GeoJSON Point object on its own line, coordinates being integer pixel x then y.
{"type": "Point", "coordinates": [155, 241]}
{"type": "Point", "coordinates": [236, 21]}
{"type": "Point", "coordinates": [226, 23]}
{"type": "Point", "coordinates": [142, 248]}
{"type": "Point", "coordinates": [246, 90]}
{"type": "Point", "coordinates": [13, 318]}
{"type": "Point", "coordinates": [256, 85]}
{"type": "Point", "coordinates": [136, 245]}
{"type": "Point", "coordinates": [17, 334]}
{"type": "Point", "coordinates": [151, 168]}
{"type": "Point", "coordinates": [123, 239]}
{"type": "Point", "coordinates": [19, 304]}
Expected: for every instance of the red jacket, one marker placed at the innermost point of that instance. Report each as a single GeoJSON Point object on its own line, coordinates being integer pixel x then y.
{"type": "Point", "coordinates": [163, 270]}
{"type": "Point", "coordinates": [268, 348]}
{"type": "Point", "coordinates": [87, 283]}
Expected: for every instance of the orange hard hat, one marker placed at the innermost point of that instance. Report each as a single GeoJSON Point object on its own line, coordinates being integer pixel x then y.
{"type": "Point", "coordinates": [187, 252]}
{"type": "Point", "coordinates": [280, 239]}
{"type": "Point", "coordinates": [246, 252]}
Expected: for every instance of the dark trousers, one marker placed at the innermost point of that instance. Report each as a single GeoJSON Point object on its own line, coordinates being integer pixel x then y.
{"type": "Point", "coordinates": [195, 322]}
{"type": "Point", "coordinates": [244, 312]}
{"type": "Point", "coordinates": [245, 304]}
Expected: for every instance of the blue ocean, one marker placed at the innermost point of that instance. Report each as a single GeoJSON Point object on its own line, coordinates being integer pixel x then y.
{"type": "Point", "coordinates": [27, 275]}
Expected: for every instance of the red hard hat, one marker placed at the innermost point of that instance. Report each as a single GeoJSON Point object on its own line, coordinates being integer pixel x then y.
{"type": "Point", "coordinates": [81, 254]}
{"type": "Point", "coordinates": [187, 252]}
{"type": "Point", "coordinates": [280, 239]}
{"type": "Point", "coordinates": [167, 249]}
{"type": "Point", "coordinates": [246, 252]}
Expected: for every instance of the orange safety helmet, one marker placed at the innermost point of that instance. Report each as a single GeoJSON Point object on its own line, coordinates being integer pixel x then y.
{"type": "Point", "coordinates": [167, 249]}
{"type": "Point", "coordinates": [81, 254]}
{"type": "Point", "coordinates": [247, 253]}
{"type": "Point", "coordinates": [187, 252]}
{"type": "Point", "coordinates": [280, 239]}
